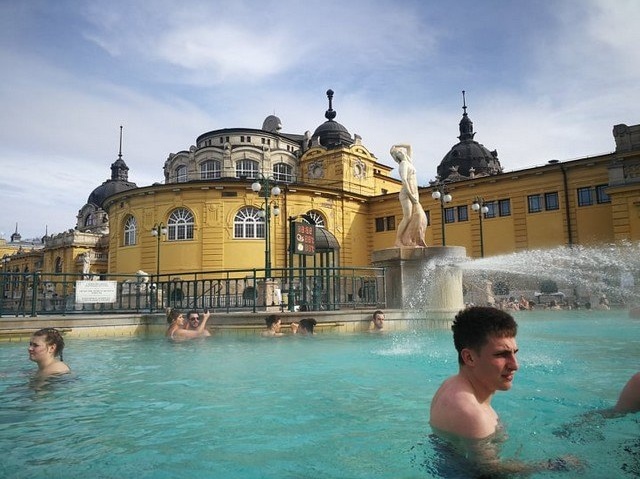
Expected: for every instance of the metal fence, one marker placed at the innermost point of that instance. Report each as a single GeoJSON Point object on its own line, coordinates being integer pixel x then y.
{"type": "Point", "coordinates": [303, 289]}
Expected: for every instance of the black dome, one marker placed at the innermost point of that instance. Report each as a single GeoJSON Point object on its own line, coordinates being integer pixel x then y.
{"type": "Point", "coordinates": [332, 134]}
{"type": "Point", "coordinates": [468, 158]}
{"type": "Point", "coordinates": [108, 188]}
{"type": "Point", "coordinates": [119, 182]}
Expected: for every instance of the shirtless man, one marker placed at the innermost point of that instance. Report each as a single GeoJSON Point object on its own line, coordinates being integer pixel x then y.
{"type": "Point", "coordinates": [461, 411]}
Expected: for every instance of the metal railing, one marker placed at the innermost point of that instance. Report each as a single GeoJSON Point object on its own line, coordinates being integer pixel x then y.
{"type": "Point", "coordinates": [304, 289]}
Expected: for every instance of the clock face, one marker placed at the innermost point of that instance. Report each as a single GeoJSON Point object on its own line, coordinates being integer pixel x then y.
{"type": "Point", "coordinates": [300, 246]}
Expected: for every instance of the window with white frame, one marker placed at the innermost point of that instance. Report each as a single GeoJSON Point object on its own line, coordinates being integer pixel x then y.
{"type": "Point", "coordinates": [210, 170]}
{"type": "Point", "coordinates": [181, 174]}
{"type": "Point", "coordinates": [247, 169]}
{"type": "Point", "coordinates": [248, 224]}
{"type": "Point", "coordinates": [130, 230]}
{"type": "Point", "coordinates": [282, 172]}
{"type": "Point", "coordinates": [180, 225]}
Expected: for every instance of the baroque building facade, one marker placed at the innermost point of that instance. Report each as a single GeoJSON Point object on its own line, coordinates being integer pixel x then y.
{"type": "Point", "coordinates": [210, 218]}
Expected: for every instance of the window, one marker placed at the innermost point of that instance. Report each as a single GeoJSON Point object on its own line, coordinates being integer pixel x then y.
{"type": "Point", "coordinates": [317, 218]}
{"type": "Point", "coordinates": [58, 266]}
{"type": "Point", "coordinates": [551, 201]}
{"type": "Point", "coordinates": [463, 213]}
{"type": "Point", "coordinates": [247, 169]}
{"type": "Point", "coordinates": [88, 221]}
{"type": "Point", "coordinates": [491, 209]}
{"type": "Point", "coordinates": [428, 214]}
{"type": "Point", "coordinates": [535, 203]}
{"type": "Point", "coordinates": [181, 174]}
{"type": "Point", "coordinates": [601, 194]}
{"type": "Point", "coordinates": [130, 228]}
{"type": "Point", "coordinates": [282, 172]}
{"type": "Point", "coordinates": [248, 224]}
{"type": "Point", "coordinates": [449, 215]}
{"type": "Point", "coordinates": [180, 225]}
{"type": "Point", "coordinates": [585, 196]}
{"type": "Point", "coordinates": [385, 223]}
{"type": "Point", "coordinates": [210, 170]}
{"type": "Point", "coordinates": [504, 207]}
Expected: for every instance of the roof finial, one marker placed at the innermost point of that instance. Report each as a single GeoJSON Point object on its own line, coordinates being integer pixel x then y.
{"type": "Point", "coordinates": [330, 114]}
{"type": "Point", "coordinates": [464, 103]}
{"type": "Point", "coordinates": [120, 151]}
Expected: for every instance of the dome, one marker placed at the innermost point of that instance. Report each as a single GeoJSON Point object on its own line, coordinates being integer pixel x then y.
{"type": "Point", "coordinates": [331, 134]}
{"type": "Point", "coordinates": [468, 158]}
{"type": "Point", "coordinates": [118, 183]}
{"type": "Point", "coordinates": [108, 188]}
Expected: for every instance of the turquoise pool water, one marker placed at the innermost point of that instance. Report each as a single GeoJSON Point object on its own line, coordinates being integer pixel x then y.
{"type": "Point", "coordinates": [329, 406]}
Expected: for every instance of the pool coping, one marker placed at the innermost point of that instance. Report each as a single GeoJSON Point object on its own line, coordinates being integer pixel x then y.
{"type": "Point", "coordinates": [239, 324]}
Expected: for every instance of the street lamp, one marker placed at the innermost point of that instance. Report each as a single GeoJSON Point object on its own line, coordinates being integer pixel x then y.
{"type": "Point", "coordinates": [482, 209]}
{"type": "Point", "coordinates": [263, 187]}
{"type": "Point", "coordinates": [159, 230]}
{"type": "Point", "coordinates": [440, 194]}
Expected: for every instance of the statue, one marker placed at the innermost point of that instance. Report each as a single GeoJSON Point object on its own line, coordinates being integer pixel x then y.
{"type": "Point", "coordinates": [86, 265]}
{"type": "Point", "coordinates": [412, 228]}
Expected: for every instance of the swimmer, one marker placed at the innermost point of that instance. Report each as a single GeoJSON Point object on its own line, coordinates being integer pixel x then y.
{"type": "Point", "coordinates": [273, 326]}
{"type": "Point", "coordinates": [377, 322]}
{"type": "Point", "coordinates": [45, 349]}
{"type": "Point", "coordinates": [629, 400]}
{"type": "Point", "coordinates": [193, 321]}
{"type": "Point", "coordinates": [305, 326]}
{"type": "Point", "coordinates": [461, 412]}
{"type": "Point", "coordinates": [177, 331]}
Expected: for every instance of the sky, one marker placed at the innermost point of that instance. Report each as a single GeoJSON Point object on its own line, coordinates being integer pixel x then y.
{"type": "Point", "coordinates": [544, 79]}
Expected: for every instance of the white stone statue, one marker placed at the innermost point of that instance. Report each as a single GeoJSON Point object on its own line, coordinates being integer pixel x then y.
{"type": "Point", "coordinates": [86, 264]}
{"type": "Point", "coordinates": [413, 226]}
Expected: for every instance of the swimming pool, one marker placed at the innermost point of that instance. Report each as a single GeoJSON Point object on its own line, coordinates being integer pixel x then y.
{"type": "Point", "coordinates": [328, 406]}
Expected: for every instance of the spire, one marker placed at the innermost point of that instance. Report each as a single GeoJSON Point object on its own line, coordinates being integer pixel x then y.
{"type": "Point", "coordinates": [16, 237]}
{"type": "Point", "coordinates": [120, 151]}
{"type": "Point", "coordinates": [330, 114]}
{"type": "Point", "coordinates": [466, 125]}
{"type": "Point", "coordinates": [119, 169]}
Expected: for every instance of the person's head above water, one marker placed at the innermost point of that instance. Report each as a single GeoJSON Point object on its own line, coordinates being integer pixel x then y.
{"type": "Point", "coordinates": [472, 328]}
{"type": "Point", "coordinates": [51, 338]}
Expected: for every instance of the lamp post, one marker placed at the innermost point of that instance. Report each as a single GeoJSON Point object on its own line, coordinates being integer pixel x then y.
{"type": "Point", "coordinates": [440, 194]}
{"type": "Point", "coordinates": [263, 187]}
{"type": "Point", "coordinates": [482, 209]}
{"type": "Point", "coordinates": [159, 230]}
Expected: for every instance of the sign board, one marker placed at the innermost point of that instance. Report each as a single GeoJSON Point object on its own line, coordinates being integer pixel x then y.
{"type": "Point", "coordinates": [304, 239]}
{"type": "Point", "coordinates": [96, 291]}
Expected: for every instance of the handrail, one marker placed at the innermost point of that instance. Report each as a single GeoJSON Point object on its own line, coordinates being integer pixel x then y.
{"type": "Point", "coordinates": [310, 289]}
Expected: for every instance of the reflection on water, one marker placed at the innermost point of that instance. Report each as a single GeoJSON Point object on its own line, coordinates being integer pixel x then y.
{"type": "Point", "coordinates": [330, 406]}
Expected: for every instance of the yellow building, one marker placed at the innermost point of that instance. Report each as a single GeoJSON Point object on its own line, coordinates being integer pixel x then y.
{"type": "Point", "coordinates": [209, 218]}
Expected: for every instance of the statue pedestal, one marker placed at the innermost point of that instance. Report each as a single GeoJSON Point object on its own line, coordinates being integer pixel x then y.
{"type": "Point", "coordinates": [423, 278]}
{"type": "Point", "coordinates": [269, 294]}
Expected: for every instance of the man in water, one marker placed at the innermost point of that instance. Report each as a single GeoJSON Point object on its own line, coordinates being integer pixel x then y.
{"type": "Point", "coordinates": [465, 425]}
{"type": "Point", "coordinates": [377, 321]}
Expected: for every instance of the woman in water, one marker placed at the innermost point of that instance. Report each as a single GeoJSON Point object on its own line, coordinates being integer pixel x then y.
{"type": "Point", "coordinates": [45, 349]}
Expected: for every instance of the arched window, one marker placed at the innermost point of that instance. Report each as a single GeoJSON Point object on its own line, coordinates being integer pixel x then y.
{"type": "Point", "coordinates": [181, 174]}
{"type": "Point", "coordinates": [317, 217]}
{"type": "Point", "coordinates": [282, 172]}
{"type": "Point", "coordinates": [247, 169]}
{"type": "Point", "coordinates": [210, 170]}
{"type": "Point", "coordinates": [89, 220]}
{"type": "Point", "coordinates": [130, 230]}
{"type": "Point", "coordinates": [248, 223]}
{"type": "Point", "coordinates": [58, 265]}
{"type": "Point", "coordinates": [180, 225]}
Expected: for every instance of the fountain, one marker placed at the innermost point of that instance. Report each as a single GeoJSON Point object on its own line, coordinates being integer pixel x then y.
{"type": "Point", "coordinates": [582, 276]}
{"type": "Point", "coordinates": [423, 278]}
